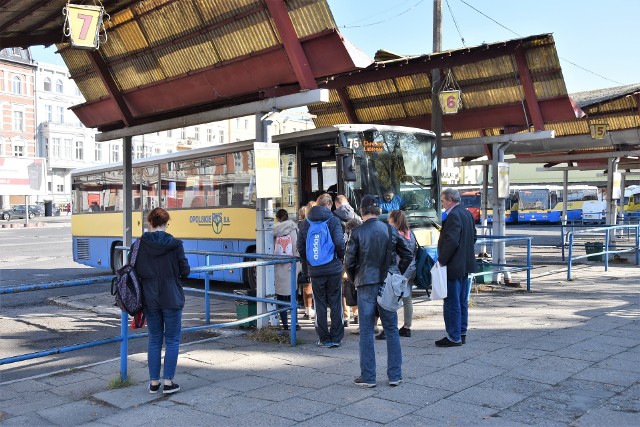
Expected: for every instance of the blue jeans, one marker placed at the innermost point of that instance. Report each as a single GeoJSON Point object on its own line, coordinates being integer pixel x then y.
{"type": "Point", "coordinates": [327, 293]}
{"type": "Point", "coordinates": [367, 304]}
{"type": "Point", "coordinates": [456, 308]}
{"type": "Point", "coordinates": [163, 325]}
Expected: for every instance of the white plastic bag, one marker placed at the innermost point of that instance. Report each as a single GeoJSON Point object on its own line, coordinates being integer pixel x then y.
{"type": "Point", "coordinates": [438, 281]}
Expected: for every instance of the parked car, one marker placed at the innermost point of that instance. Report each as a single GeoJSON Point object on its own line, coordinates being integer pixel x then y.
{"type": "Point", "coordinates": [18, 212]}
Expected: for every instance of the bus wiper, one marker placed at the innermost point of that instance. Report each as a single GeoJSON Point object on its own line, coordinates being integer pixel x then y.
{"type": "Point", "coordinates": [413, 180]}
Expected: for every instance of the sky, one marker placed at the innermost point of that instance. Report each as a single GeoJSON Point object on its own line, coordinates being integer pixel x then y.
{"type": "Point", "coordinates": [596, 40]}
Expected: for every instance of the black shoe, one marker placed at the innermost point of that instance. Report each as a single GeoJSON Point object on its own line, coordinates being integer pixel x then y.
{"type": "Point", "coordinates": [305, 317]}
{"type": "Point", "coordinates": [355, 320]}
{"type": "Point", "coordinates": [381, 336]}
{"type": "Point", "coordinates": [168, 389]}
{"type": "Point", "coordinates": [464, 338]}
{"type": "Point", "coordinates": [446, 342]}
{"type": "Point", "coordinates": [359, 382]}
{"type": "Point", "coordinates": [404, 332]}
{"type": "Point", "coordinates": [153, 388]}
{"type": "Point", "coordinates": [346, 323]}
{"type": "Point", "coordinates": [395, 383]}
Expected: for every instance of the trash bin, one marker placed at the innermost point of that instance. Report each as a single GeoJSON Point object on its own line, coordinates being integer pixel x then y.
{"type": "Point", "coordinates": [594, 248]}
{"type": "Point", "coordinates": [482, 266]}
{"type": "Point", "coordinates": [245, 309]}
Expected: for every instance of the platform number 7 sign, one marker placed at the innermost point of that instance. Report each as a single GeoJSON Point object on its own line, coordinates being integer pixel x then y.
{"type": "Point", "coordinates": [82, 25]}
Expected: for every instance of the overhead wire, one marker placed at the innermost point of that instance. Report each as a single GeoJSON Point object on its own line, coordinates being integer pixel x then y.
{"type": "Point", "coordinates": [564, 59]}
{"type": "Point", "coordinates": [384, 20]}
{"type": "Point", "coordinates": [455, 23]}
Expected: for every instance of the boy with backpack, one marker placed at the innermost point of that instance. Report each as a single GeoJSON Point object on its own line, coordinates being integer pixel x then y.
{"type": "Point", "coordinates": [321, 247]}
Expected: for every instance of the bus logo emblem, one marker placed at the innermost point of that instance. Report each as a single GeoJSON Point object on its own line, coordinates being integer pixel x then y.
{"type": "Point", "coordinates": [216, 222]}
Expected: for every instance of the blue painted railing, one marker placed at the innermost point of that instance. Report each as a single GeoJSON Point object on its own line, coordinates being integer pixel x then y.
{"type": "Point", "coordinates": [124, 336]}
{"type": "Point", "coordinates": [606, 232]}
{"type": "Point", "coordinates": [505, 268]}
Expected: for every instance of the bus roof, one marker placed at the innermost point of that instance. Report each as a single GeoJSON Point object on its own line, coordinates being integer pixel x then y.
{"type": "Point", "coordinates": [311, 135]}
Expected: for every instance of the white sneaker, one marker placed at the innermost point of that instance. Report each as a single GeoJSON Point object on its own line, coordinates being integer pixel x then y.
{"type": "Point", "coordinates": [312, 313]}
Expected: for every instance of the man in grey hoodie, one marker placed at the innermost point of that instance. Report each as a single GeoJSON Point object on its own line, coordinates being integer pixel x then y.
{"type": "Point", "coordinates": [326, 279]}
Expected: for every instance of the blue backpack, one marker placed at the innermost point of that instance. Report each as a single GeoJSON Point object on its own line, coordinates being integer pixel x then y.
{"type": "Point", "coordinates": [424, 263]}
{"type": "Point", "coordinates": [320, 247]}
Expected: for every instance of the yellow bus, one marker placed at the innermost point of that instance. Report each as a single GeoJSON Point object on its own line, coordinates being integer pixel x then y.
{"type": "Point", "coordinates": [210, 192]}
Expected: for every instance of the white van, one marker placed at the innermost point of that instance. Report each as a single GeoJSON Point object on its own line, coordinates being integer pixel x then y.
{"type": "Point", "coordinates": [594, 211]}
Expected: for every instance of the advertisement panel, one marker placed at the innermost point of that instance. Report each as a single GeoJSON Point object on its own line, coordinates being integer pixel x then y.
{"type": "Point", "coordinates": [21, 176]}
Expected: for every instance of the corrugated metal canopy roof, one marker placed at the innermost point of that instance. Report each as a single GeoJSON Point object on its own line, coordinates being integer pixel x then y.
{"type": "Point", "coordinates": [506, 87]}
{"type": "Point", "coordinates": [167, 58]}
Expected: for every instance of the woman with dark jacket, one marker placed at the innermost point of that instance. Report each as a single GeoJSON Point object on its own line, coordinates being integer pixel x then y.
{"type": "Point", "coordinates": [160, 265]}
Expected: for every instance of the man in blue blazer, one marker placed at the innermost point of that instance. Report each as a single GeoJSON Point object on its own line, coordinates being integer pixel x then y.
{"type": "Point", "coordinates": [456, 253]}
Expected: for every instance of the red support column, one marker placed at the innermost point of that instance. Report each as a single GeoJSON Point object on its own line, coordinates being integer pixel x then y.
{"type": "Point", "coordinates": [297, 57]}
{"type": "Point", "coordinates": [529, 90]}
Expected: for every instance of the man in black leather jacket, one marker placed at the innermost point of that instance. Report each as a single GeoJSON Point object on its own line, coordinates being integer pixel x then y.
{"type": "Point", "coordinates": [367, 265]}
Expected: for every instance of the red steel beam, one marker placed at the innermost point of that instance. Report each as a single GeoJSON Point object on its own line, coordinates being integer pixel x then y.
{"type": "Point", "coordinates": [529, 90]}
{"type": "Point", "coordinates": [293, 47]}
{"type": "Point", "coordinates": [498, 116]}
{"type": "Point", "coordinates": [113, 90]}
{"type": "Point", "coordinates": [345, 101]}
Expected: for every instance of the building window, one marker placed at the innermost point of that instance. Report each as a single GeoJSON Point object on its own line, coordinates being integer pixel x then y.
{"type": "Point", "coordinates": [49, 110]}
{"type": "Point", "coordinates": [98, 151]}
{"type": "Point", "coordinates": [60, 111]}
{"type": "Point", "coordinates": [209, 135]}
{"type": "Point", "coordinates": [17, 85]}
{"type": "Point", "coordinates": [169, 134]}
{"type": "Point", "coordinates": [55, 148]}
{"type": "Point", "coordinates": [47, 84]}
{"type": "Point", "coordinates": [79, 150]}
{"type": "Point", "coordinates": [290, 196]}
{"type": "Point", "coordinates": [60, 188]}
{"type": "Point", "coordinates": [290, 167]}
{"type": "Point", "coordinates": [246, 123]}
{"type": "Point", "coordinates": [115, 153]}
{"type": "Point", "coordinates": [156, 150]}
{"type": "Point", "coordinates": [59, 87]}
{"type": "Point", "coordinates": [183, 133]}
{"type": "Point", "coordinates": [18, 121]}
{"type": "Point", "coordinates": [221, 135]}
{"type": "Point", "coordinates": [18, 150]}
{"type": "Point", "coordinates": [237, 162]}
{"type": "Point", "coordinates": [66, 149]}
{"type": "Point", "coordinates": [197, 133]}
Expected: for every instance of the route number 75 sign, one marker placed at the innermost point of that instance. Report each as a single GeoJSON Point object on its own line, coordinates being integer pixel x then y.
{"type": "Point", "coordinates": [84, 25]}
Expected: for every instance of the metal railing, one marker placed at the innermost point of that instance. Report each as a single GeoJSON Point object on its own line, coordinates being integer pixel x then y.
{"type": "Point", "coordinates": [124, 336]}
{"type": "Point", "coordinates": [606, 231]}
{"type": "Point", "coordinates": [505, 268]}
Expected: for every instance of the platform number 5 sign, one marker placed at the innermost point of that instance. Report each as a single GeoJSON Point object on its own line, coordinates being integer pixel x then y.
{"type": "Point", "coordinates": [82, 25]}
{"type": "Point", "coordinates": [599, 130]}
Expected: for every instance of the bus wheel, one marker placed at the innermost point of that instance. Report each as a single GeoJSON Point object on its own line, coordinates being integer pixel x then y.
{"type": "Point", "coordinates": [116, 257]}
{"type": "Point", "coordinates": [251, 276]}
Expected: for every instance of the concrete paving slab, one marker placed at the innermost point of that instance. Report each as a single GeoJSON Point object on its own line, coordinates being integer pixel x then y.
{"type": "Point", "coordinates": [76, 413]}
{"type": "Point", "coordinates": [609, 376]}
{"type": "Point", "coordinates": [451, 412]}
{"type": "Point", "coordinates": [483, 396]}
{"type": "Point", "coordinates": [299, 409]}
{"type": "Point", "coordinates": [602, 417]}
{"type": "Point", "coordinates": [377, 410]}
{"type": "Point", "coordinates": [332, 419]}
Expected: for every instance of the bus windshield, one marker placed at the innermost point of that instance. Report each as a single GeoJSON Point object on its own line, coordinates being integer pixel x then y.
{"type": "Point", "coordinates": [534, 199]}
{"type": "Point", "coordinates": [399, 168]}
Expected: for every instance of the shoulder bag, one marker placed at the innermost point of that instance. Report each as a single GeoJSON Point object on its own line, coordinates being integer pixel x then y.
{"type": "Point", "coordinates": [395, 285]}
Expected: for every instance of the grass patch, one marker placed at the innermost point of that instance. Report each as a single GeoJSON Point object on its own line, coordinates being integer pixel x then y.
{"type": "Point", "coordinates": [119, 383]}
{"type": "Point", "coordinates": [270, 335]}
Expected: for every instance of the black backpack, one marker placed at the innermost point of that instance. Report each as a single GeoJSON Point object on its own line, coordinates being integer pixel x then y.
{"type": "Point", "coordinates": [127, 287]}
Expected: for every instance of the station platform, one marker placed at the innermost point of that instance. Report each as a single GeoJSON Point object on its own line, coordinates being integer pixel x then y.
{"type": "Point", "coordinates": [565, 353]}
